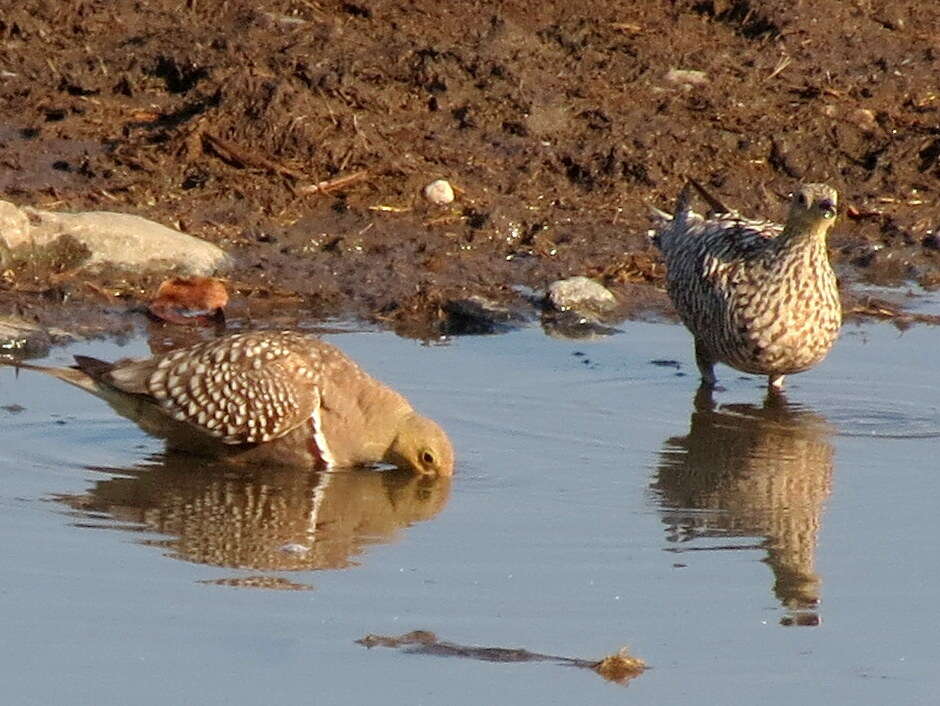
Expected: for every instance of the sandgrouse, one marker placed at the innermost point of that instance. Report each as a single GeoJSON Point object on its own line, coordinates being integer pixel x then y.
{"type": "Point", "coordinates": [267, 397]}
{"type": "Point", "coordinates": [758, 296]}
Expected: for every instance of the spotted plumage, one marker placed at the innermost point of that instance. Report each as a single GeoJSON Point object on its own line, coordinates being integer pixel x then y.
{"type": "Point", "coordinates": [247, 388]}
{"type": "Point", "coordinates": [758, 296]}
{"type": "Point", "coordinates": [267, 396]}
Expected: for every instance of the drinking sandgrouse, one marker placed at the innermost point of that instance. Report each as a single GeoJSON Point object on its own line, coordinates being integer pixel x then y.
{"type": "Point", "coordinates": [758, 296]}
{"type": "Point", "coordinates": [267, 397]}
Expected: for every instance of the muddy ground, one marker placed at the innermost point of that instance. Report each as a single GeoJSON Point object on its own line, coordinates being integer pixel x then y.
{"type": "Point", "coordinates": [557, 122]}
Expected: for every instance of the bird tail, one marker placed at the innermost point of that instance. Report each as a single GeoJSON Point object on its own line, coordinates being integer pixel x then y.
{"type": "Point", "coordinates": [683, 207]}
{"type": "Point", "coordinates": [715, 206]}
{"type": "Point", "coordinates": [672, 225]}
{"type": "Point", "coordinates": [73, 376]}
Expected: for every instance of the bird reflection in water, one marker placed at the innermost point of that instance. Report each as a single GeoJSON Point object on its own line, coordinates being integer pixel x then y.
{"type": "Point", "coordinates": [745, 470]}
{"type": "Point", "coordinates": [277, 519]}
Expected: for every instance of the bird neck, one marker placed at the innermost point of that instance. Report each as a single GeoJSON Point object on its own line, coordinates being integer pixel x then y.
{"type": "Point", "coordinates": [397, 452]}
{"type": "Point", "coordinates": [380, 443]}
{"type": "Point", "coordinates": [361, 428]}
{"type": "Point", "coordinates": [803, 235]}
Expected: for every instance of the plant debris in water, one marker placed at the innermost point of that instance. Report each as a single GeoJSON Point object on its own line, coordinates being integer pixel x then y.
{"type": "Point", "coordinates": [620, 667]}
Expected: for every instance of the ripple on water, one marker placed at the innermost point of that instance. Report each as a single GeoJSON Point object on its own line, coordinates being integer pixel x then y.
{"type": "Point", "coordinates": [885, 413]}
{"type": "Point", "coordinates": [67, 441]}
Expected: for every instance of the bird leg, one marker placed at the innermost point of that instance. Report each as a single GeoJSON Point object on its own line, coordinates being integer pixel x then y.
{"type": "Point", "coordinates": [775, 383]}
{"type": "Point", "coordinates": [706, 365]}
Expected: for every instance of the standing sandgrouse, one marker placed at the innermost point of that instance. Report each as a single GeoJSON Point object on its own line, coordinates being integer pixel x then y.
{"type": "Point", "coordinates": [267, 397]}
{"type": "Point", "coordinates": [758, 296]}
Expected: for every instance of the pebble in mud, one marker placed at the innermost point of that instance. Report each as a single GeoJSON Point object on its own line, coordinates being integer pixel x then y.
{"type": "Point", "coordinates": [863, 119]}
{"type": "Point", "coordinates": [439, 192]}
{"type": "Point", "coordinates": [686, 77]}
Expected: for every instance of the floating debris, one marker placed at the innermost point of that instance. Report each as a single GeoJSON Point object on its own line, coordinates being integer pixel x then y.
{"type": "Point", "coordinates": [620, 667]}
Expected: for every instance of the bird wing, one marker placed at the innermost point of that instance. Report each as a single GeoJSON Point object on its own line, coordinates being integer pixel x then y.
{"type": "Point", "coordinates": [731, 235]}
{"type": "Point", "coordinates": [724, 248]}
{"type": "Point", "coordinates": [249, 388]}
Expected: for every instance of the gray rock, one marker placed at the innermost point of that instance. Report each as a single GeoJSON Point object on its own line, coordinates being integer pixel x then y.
{"type": "Point", "coordinates": [580, 294]}
{"type": "Point", "coordinates": [118, 239]}
{"type": "Point", "coordinates": [476, 315]}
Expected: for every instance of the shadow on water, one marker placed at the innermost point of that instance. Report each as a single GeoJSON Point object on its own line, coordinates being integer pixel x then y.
{"type": "Point", "coordinates": [746, 470]}
{"type": "Point", "coordinates": [281, 519]}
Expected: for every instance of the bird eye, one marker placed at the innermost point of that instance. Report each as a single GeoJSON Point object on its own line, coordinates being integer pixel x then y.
{"type": "Point", "coordinates": [828, 208]}
{"type": "Point", "coordinates": [427, 458]}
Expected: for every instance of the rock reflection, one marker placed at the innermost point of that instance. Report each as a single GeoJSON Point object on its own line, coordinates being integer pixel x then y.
{"type": "Point", "coordinates": [745, 470]}
{"type": "Point", "coordinates": [258, 518]}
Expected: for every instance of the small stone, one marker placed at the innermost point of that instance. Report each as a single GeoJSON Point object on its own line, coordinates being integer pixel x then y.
{"type": "Point", "coordinates": [863, 119]}
{"type": "Point", "coordinates": [577, 293]}
{"type": "Point", "coordinates": [686, 77]}
{"type": "Point", "coordinates": [439, 192]}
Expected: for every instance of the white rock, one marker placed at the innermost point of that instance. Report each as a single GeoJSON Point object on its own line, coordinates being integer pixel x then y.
{"type": "Point", "coordinates": [577, 293]}
{"type": "Point", "coordinates": [439, 192]}
{"type": "Point", "coordinates": [118, 239]}
{"type": "Point", "coordinates": [686, 77]}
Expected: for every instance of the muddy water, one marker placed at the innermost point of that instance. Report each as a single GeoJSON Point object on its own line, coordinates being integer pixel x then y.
{"type": "Point", "coordinates": [750, 551]}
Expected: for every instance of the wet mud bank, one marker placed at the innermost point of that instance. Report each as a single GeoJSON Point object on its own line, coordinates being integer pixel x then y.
{"type": "Point", "coordinates": [300, 137]}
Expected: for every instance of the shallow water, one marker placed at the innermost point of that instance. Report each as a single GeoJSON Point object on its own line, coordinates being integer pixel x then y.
{"type": "Point", "coordinates": [749, 551]}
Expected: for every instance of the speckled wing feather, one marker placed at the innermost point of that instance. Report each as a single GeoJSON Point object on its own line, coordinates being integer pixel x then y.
{"type": "Point", "coordinates": [723, 233]}
{"type": "Point", "coordinates": [711, 258]}
{"type": "Point", "coordinates": [247, 388]}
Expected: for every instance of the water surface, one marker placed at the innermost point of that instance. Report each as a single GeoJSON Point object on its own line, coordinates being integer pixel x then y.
{"type": "Point", "coordinates": [748, 549]}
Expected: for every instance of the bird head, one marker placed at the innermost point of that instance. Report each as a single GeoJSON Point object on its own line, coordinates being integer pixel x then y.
{"type": "Point", "coordinates": [422, 446]}
{"type": "Point", "coordinates": [813, 209]}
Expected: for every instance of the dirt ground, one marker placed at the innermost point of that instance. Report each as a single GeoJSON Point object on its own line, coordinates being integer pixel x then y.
{"type": "Point", "coordinates": [298, 135]}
